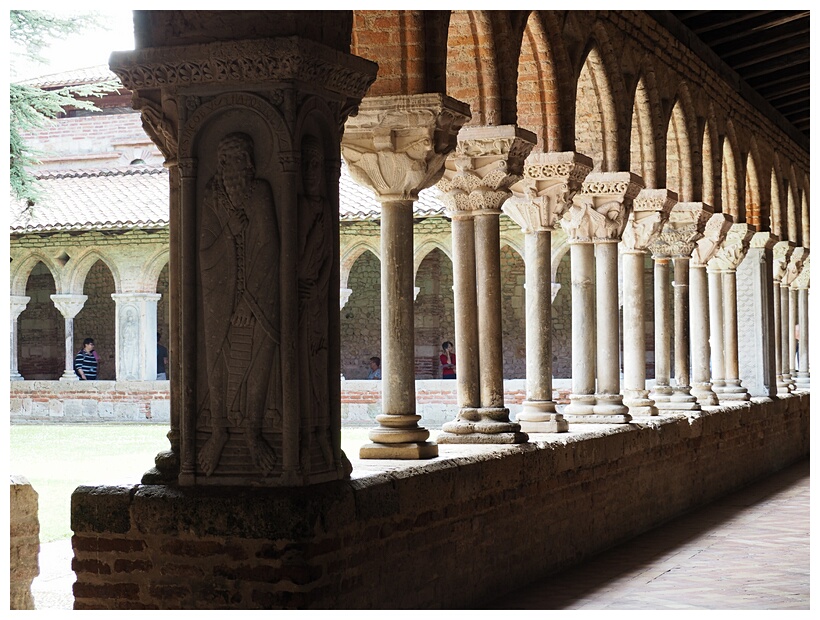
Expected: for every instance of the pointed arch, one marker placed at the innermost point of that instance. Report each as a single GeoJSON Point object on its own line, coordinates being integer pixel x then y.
{"type": "Point", "coordinates": [427, 246]}
{"type": "Point", "coordinates": [351, 254]}
{"type": "Point", "coordinates": [792, 207]}
{"type": "Point", "coordinates": [596, 125]}
{"type": "Point", "coordinates": [756, 211]}
{"type": "Point", "coordinates": [644, 138]}
{"type": "Point", "coordinates": [778, 200]}
{"type": "Point", "coordinates": [21, 270]}
{"type": "Point", "coordinates": [711, 171]}
{"type": "Point", "coordinates": [149, 274]}
{"type": "Point", "coordinates": [679, 164]}
{"type": "Point", "coordinates": [83, 265]}
{"type": "Point", "coordinates": [804, 202]}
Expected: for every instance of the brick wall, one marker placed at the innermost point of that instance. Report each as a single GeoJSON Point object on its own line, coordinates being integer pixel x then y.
{"type": "Point", "coordinates": [454, 532]}
{"type": "Point", "coordinates": [24, 542]}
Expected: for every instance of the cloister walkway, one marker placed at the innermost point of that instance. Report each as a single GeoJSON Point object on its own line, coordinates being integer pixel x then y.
{"type": "Point", "coordinates": [749, 550]}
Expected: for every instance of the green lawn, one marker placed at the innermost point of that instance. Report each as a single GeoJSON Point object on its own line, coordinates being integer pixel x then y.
{"type": "Point", "coordinates": [56, 459]}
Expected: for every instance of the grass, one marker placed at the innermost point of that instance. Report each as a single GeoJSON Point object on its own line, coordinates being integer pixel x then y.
{"type": "Point", "coordinates": [56, 459]}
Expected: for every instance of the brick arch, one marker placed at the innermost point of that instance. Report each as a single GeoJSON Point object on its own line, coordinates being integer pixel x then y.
{"type": "Point", "coordinates": [596, 125]}
{"type": "Point", "coordinates": [352, 254]}
{"type": "Point", "coordinates": [777, 211]}
{"type": "Point", "coordinates": [804, 201]}
{"type": "Point", "coordinates": [22, 267]}
{"type": "Point", "coordinates": [472, 72]}
{"type": "Point", "coordinates": [83, 265]}
{"type": "Point", "coordinates": [679, 154]}
{"type": "Point", "coordinates": [421, 252]}
{"type": "Point", "coordinates": [711, 171]}
{"type": "Point", "coordinates": [730, 178]}
{"type": "Point", "coordinates": [757, 210]}
{"type": "Point", "coordinates": [645, 134]}
{"type": "Point", "coordinates": [792, 206]}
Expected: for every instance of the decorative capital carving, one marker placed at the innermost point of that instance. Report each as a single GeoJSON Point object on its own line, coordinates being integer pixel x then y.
{"type": "Point", "coordinates": [487, 160]}
{"type": "Point", "coordinates": [599, 212]}
{"type": "Point", "coordinates": [18, 304]}
{"type": "Point", "coordinates": [763, 240]}
{"type": "Point", "coordinates": [161, 122]}
{"type": "Point", "coordinates": [713, 236]}
{"type": "Point", "coordinates": [69, 305]}
{"type": "Point", "coordinates": [795, 264]}
{"type": "Point", "coordinates": [803, 279]}
{"type": "Point", "coordinates": [135, 298]}
{"type": "Point", "coordinates": [781, 254]}
{"type": "Point", "coordinates": [733, 249]}
{"type": "Point", "coordinates": [397, 145]}
{"type": "Point", "coordinates": [546, 190]}
{"type": "Point", "coordinates": [650, 211]}
{"type": "Point", "coordinates": [685, 226]}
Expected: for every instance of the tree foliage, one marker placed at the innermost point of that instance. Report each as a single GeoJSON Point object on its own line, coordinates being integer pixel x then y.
{"type": "Point", "coordinates": [32, 107]}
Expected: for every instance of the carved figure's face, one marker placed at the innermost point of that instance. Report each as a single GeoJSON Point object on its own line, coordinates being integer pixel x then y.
{"type": "Point", "coordinates": [234, 160]}
{"type": "Point", "coordinates": [312, 171]}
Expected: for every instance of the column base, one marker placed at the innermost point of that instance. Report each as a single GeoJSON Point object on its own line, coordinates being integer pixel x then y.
{"type": "Point", "coordinates": [733, 391]}
{"type": "Point", "coordinates": [681, 400]}
{"type": "Point", "coordinates": [718, 386]}
{"type": "Point", "coordinates": [782, 386]}
{"type": "Point", "coordinates": [580, 404]}
{"type": "Point", "coordinates": [407, 451]}
{"type": "Point", "coordinates": [486, 425]}
{"type": "Point", "coordinates": [639, 403]}
{"type": "Point", "coordinates": [539, 416]}
{"type": "Point", "coordinates": [597, 418]}
{"type": "Point", "coordinates": [803, 381]}
{"type": "Point", "coordinates": [609, 404]}
{"type": "Point", "coordinates": [69, 376]}
{"type": "Point", "coordinates": [704, 394]}
{"type": "Point", "coordinates": [16, 376]}
{"type": "Point", "coordinates": [661, 394]}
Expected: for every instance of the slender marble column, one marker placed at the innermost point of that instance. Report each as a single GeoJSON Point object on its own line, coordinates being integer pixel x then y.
{"type": "Point", "coordinates": [539, 200]}
{"type": "Point", "coordinates": [801, 284]}
{"type": "Point", "coordinates": [477, 178]}
{"type": "Point", "coordinates": [598, 216]}
{"type": "Point", "coordinates": [717, 346]}
{"type": "Point", "coordinates": [781, 254]}
{"type": "Point", "coordinates": [466, 319]}
{"type": "Point", "coordinates": [69, 306]}
{"type": "Point", "coordinates": [650, 211]}
{"type": "Point", "coordinates": [686, 225]}
{"type": "Point", "coordinates": [17, 305]}
{"type": "Point", "coordinates": [788, 316]}
{"type": "Point", "coordinates": [713, 237]}
{"type": "Point", "coordinates": [662, 390]}
{"type": "Point", "coordinates": [726, 260]}
{"type": "Point", "coordinates": [390, 150]}
{"type": "Point", "coordinates": [792, 332]}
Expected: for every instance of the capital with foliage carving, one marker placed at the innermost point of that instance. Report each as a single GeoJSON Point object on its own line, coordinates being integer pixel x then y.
{"type": "Point", "coordinates": [803, 279]}
{"type": "Point", "coordinates": [781, 254]}
{"type": "Point", "coordinates": [546, 190]}
{"type": "Point", "coordinates": [486, 162]}
{"type": "Point", "coordinates": [397, 145]}
{"type": "Point", "coordinates": [795, 264]}
{"type": "Point", "coordinates": [650, 211]}
{"type": "Point", "coordinates": [18, 304]}
{"type": "Point", "coordinates": [685, 227]}
{"type": "Point", "coordinates": [600, 211]}
{"type": "Point", "coordinates": [69, 305]}
{"type": "Point", "coordinates": [714, 235]}
{"type": "Point", "coordinates": [733, 249]}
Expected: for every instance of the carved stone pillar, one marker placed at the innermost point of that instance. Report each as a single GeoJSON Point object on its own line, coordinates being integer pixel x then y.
{"type": "Point", "coordinates": [17, 305]}
{"type": "Point", "coordinates": [715, 232]}
{"type": "Point", "coordinates": [396, 146]}
{"type": "Point", "coordinates": [476, 183]}
{"type": "Point", "coordinates": [598, 216]}
{"type": "Point", "coordinates": [726, 261]}
{"type": "Point", "coordinates": [781, 254]}
{"type": "Point", "coordinates": [251, 130]}
{"type": "Point", "coordinates": [755, 319]}
{"type": "Point", "coordinates": [69, 306]}
{"type": "Point", "coordinates": [136, 323]}
{"type": "Point", "coordinates": [788, 315]}
{"type": "Point", "coordinates": [539, 200]}
{"type": "Point", "coordinates": [685, 227]}
{"type": "Point", "coordinates": [801, 285]}
{"type": "Point", "coordinates": [650, 211]}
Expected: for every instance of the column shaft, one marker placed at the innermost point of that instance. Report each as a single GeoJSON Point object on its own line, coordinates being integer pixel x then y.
{"type": "Point", "coordinates": [732, 390]}
{"type": "Point", "coordinates": [14, 374]}
{"type": "Point", "coordinates": [792, 361]}
{"type": "Point", "coordinates": [663, 333]}
{"type": "Point", "coordinates": [608, 398]}
{"type": "Point", "coordinates": [716, 342]}
{"type": "Point", "coordinates": [782, 386]}
{"type": "Point", "coordinates": [466, 321]}
{"type": "Point", "coordinates": [682, 397]}
{"type": "Point", "coordinates": [582, 399]}
{"type": "Point", "coordinates": [488, 280]}
{"type": "Point", "coordinates": [784, 335]}
{"type": "Point", "coordinates": [803, 348]}
{"type": "Point", "coordinates": [635, 392]}
{"type": "Point", "coordinates": [699, 335]}
{"type": "Point", "coordinates": [69, 374]}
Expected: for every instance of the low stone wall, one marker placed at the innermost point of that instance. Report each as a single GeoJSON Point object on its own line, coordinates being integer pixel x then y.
{"type": "Point", "coordinates": [24, 543]}
{"type": "Point", "coordinates": [456, 531]}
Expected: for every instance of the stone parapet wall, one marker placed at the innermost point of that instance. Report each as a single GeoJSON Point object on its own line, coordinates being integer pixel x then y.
{"type": "Point", "coordinates": [469, 526]}
{"type": "Point", "coordinates": [24, 542]}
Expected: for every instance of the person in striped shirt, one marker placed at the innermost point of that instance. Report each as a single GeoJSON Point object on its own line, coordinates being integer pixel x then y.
{"type": "Point", "coordinates": [85, 364]}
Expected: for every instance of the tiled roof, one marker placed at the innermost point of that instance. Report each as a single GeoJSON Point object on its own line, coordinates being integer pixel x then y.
{"type": "Point", "coordinates": [137, 197]}
{"type": "Point", "coordinates": [75, 77]}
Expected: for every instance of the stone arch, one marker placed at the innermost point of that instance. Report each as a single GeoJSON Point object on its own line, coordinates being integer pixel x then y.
{"type": "Point", "coordinates": [83, 265]}
{"type": "Point", "coordinates": [804, 202]}
{"type": "Point", "coordinates": [352, 254]}
{"type": "Point", "coordinates": [756, 210]}
{"type": "Point", "coordinates": [644, 134]}
{"type": "Point", "coordinates": [513, 312]}
{"type": "Point", "coordinates": [731, 189]}
{"type": "Point", "coordinates": [562, 314]}
{"type": "Point", "coordinates": [41, 327]}
{"type": "Point", "coordinates": [23, 265]}
{"type": "Point", "coordinates": [149, 274]}
{"type": "Point", "coordinates": [472, 72]}
{"type": "Point", "coordinates": [514, 239]}
{"type": "Point", "coordinates": [434, 310]}
{"type": "Point", "coordinates": [711, 171]}
{"type": "Point", "coordinates": [596, 126]}
{"type": "Point", "coordinates": [97, 319]}
{"type": "Point", "coordinates": [679, 154]}
{"type": "Point", "coordinates": [792, 206]}
{"type": "Point", "coordinates": [360, 320]}
{"type": "Point", "coordinates": [424, 248]}
{"type": "Point", "coordinates": [779, 216]}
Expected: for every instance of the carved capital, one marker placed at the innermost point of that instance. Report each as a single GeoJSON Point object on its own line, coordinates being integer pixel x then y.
{"type": "Point", "coordinates": [161, 122]}
{"type": "Point", "coordinates": [135, 298]}
{"type": "Point", "coordinates": [18, 304]}
{"type": "Point", "coordinates": [550, 182]}
{"type": "Point", "coordinates": [733, 249]}
{"type": "Point", "coordinates": [763, 241]}
{"type": "Point", "coordinates": [685, 226]}
{"type": "Point", "coordinates": [803, 279]}
{"type": "Point", "coordinates": [650, 211]}
{"type": "Point", "coordinates": [69, 305]}
{"type": "Point", "coordinates": [599, 212]}
{"type": "Point", "coordinates": [781, 254]}
{"type": "Point", "coordinates": [397, 145]}
{"type": "Point", "coordinates": [713, 236]}
{"type": "Point", "coordinates": [794, 266]}
{"type": "Point", "coordinates": [487, 160]}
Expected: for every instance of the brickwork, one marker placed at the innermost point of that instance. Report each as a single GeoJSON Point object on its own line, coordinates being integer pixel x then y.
{"type": "Point", "coordinates": [24, 540]}
{"type": "Point", "coordinates": [335, 545]}
{"type": "Point", "coordinates": [96, 319]}
{"type": "Point", "coordinates": [41, 330]}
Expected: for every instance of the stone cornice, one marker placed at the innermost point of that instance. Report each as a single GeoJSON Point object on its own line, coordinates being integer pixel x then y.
{"type": "Point", "coordinates": [650, 211]}
{"type": "Point", "coordinates": [733, 249]}
{"type": "Point", "coordinates": [714, 235]}
{"type": "Point", "coordinates": [781, 254]}
{"type": "Point", "coordinates": [546, 190]}
{"type": "Point", "coordinates": [69, 305]}
{"type": "Point", "coordinates": [135, 297]}
{"type": "Point", "coordinates": [18, 303]}
{"type": "Point", "coordinates": [600, 211]}
{"type": "Point", "coordinates": [397, 146]}
{"type": "Point", "coordinates": [685, 226]}
{"type": "Point", "coordinates": [803, 279]}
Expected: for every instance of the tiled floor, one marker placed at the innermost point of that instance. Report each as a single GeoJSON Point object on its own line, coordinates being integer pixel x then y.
{"type": "Point", "coordinates": [749, 550]}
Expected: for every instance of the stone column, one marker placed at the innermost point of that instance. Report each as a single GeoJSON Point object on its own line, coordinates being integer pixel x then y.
{"type": "Point", "coordinates": [650, 211]}
{"type": "Point", "coordinates": [781, 253]}
{"type": "Point", "coordinates": [476, 183]}
{"type": "Point", "coordinates": [136, 327]}
{"type": "Point", "coordinates": [598, 216]}
{"type": "Point", "coordinates": [17, 305]}
{"type": "Point", "coordinates": [717, 346]}
{"type": "Point", "coordinates": [726, 261]}
{"type": "Point", "coordinates": [788, 315]}
{"type": "Point", "coordinates": [801, 285]}
{"type": "Point", "coordinates": [69, 306]}
{"type": "Point", "coordinates": [662, 390]}
{"type": "Point", "coordinates": [706, 247]}
{"type": "Point", "coordinates": [396, 146]}
{"type": "Point", "coordinates": [677, 240]}
{"type": "Point", "coordinates": [539, 200]}
{"type": "Point", "coordinates": [254, 235]}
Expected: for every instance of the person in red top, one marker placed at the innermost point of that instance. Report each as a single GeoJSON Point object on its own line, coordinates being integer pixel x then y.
{"type": "Point", "coordinates": [448, 361]}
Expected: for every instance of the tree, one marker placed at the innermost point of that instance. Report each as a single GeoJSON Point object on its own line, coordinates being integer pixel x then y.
{"type": "Point", "coordinates": [31, 107]}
